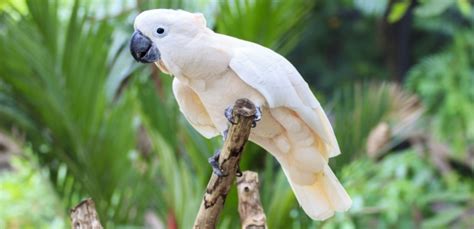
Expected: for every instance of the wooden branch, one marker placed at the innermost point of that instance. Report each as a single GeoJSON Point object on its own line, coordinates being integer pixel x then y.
{"type": "Point", "coordinates": [251, 212]}
{"type": "Point", "coordinates": [84, 216]}
{"type": "Point", "coordinates": [244, 112]}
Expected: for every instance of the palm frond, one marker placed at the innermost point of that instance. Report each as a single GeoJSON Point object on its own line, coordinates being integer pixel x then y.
{"type": "Point", "coordinates": [274, 24]}
{"type": "Point", "coordinates": [357, 110]}
{"type": "Point", "coordinates": [56, 72]}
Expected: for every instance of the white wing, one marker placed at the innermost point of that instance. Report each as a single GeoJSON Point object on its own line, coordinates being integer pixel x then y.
{"type": "Point", "coordinates": [282, 86]}
{"type": "Point", "coordinates": [192, 108]}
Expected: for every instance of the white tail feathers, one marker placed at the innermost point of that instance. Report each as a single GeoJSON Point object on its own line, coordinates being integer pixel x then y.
{"type": "Point", "coordinates": [322, 198]}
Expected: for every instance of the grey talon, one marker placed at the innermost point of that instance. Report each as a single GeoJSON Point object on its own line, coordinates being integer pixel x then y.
{"type": "Point", "coordinates": [258, 116]}
{"type": "Point", "coordinates": [214, 161]}
{"type": "Point", "coordinates": [228, 115]}
{"type": "Point", "coordinates": [224, 134]}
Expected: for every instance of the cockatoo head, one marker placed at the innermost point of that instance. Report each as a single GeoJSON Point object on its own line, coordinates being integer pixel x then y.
{"type": "Point", "coordinates": [161, 32]}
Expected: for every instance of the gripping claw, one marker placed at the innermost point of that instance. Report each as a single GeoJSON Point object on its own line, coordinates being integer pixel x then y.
{"type": "Point", "coordinates": [258, 116]}
{"type": "Point", "coordinates": [214, 161]}
{"type": "Point", "coordinates": [228, 115]}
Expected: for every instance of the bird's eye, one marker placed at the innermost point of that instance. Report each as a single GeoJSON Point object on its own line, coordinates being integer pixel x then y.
{"type": "Point", "coordinates": [160, 30]}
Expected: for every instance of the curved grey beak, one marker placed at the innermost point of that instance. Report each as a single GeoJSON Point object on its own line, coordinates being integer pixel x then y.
{"type": "Point", "coordinates": [143, 49]}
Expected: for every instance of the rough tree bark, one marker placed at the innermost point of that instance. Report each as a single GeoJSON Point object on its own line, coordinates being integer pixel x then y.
{"type": "Point", "coordinates": [250, 207]}
{"type": "Point", "coordinates": [244, 112]}
{"type": "Point", "coordinates": [84, 216]}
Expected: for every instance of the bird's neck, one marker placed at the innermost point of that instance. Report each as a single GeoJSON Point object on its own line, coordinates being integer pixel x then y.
{"type": "Point", "coordinates": [202, 57]}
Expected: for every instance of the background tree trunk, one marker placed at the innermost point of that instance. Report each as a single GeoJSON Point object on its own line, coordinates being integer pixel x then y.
{"type": "Point", "coordinates": [250, 207]}
{"type": "Point", "coordinates": [84, 216]}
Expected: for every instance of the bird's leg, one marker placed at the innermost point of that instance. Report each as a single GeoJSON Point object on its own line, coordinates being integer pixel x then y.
{"type": "Point", "coordinates": [214, 161]}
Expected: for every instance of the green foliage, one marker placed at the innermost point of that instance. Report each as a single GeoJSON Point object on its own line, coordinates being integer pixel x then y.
{"type": "Point", "coordinates": [357, 110]}
{"type": "Point", "coordinates": [371, 7]}
{"type": "Point", "coordinates": [274, 24]}
{"type": "Point", "coordinates": [433, 8]}
{"type": "Point", "coordinates": [445, 18]}
{"type": "Point", "coordinates": [414, 195]}
{"type": "Point", "coordinates": [180, 190]}
{"type": "Point", "coordinates": [398, 10]}
{"type": "Point", "coordinates": [57, 79]}
{"type": "Point", "coordinates": [339, 48]}
{"type": "Point", "coordinates": [40, 208]}
{"type": "Point", "coordinates": [444, 81]}
{"type": "Point", "coordinates": [465, 7]}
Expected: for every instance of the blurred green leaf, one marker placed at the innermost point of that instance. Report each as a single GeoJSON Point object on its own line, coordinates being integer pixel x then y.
{"type": "Point", "coordinates": [431, 8]}
{"type": "Point", "coordinates": [274, 24]}
{"type": "Point", "coordinates": [40, 208]}
{"type": "Point", "coordinates": [443, 219]}
{"type": "Point", "coordinates": [398, 10]}
{"type": "Point", "coordinates": [56, 72]}
{"type": "Point", "coordinates": [444, 81]}
{"type": "Point", "coordinates": [360, 107]}
{"type": "Point", "coordinates": [371, 7]}
{"type": "Point", "coordinates": [465, 7]}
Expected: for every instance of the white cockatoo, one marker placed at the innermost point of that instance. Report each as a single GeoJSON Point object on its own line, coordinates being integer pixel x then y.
{"type": "Point", "coordinates": [211, 71]}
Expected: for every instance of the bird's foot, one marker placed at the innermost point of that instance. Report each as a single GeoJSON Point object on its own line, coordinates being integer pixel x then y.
{"type": "Point", "coordinates": [224, 134]}
{"type": "Point", "coordinates": [258, 116]}
{"type": "Point", "coordinates": [230, 118]}
{"type": "Point", "coordinates": [214, 161]}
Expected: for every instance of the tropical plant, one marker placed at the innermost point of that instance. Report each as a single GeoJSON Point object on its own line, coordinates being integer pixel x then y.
{"type": "Point", "coordinates": [415, 194]}
{"type": "Point", "coordinates": [357, 110]}
{"type": "Point", "coordinates": [444, 82]}
{"type": "Point", "coordinates": [274, 24]}
{"type": "Point", "coordinates": [53, 85]}
{"type": "Point", "coordinates": [27, 208]}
